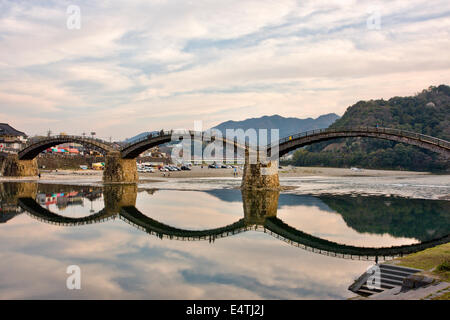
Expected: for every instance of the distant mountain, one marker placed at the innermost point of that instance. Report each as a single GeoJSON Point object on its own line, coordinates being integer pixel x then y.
{"type": "Point", "coordinates": [287, 126]}
{"type": "Point", "coordinates": [139, 136]}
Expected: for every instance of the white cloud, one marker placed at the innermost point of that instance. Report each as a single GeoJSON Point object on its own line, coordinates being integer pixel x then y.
{"type": "Point", "coordinates": [143, 65]}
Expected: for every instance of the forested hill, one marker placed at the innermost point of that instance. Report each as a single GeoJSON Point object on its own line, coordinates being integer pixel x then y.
{"type": "Point", "coordinates": [428, 113]}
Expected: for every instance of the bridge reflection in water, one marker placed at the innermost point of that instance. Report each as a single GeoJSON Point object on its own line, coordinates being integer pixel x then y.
{"type": "Point", "coordinates": [260, 214]}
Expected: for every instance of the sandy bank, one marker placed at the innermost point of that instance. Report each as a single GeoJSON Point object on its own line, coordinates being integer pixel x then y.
{"type": "Point", "coordinates": [198, 172]}
{"type": "Point", "coordinates": [299, 180]}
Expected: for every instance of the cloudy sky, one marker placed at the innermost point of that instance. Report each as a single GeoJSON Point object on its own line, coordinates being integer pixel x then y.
{"type": "Point", "coordinates": [134, 65]}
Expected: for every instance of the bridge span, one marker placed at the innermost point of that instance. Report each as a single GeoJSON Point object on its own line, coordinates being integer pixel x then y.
{"type": "Point", "coordinates": [36, 146]}
{"type": "Point", "coordinates": [265, 175]}
{"type": "Point", "coordinates": [302, 139]}
{"type": "Point", "coordinates": [133, 150]}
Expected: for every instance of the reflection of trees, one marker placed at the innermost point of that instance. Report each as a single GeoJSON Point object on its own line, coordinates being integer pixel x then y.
{"type": "Point", "coordinates": [399, 217]}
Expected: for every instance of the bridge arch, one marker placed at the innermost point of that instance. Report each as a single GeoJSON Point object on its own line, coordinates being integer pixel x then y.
{"type": "Point", "coordinates": [133, 216]}
{"type": "Point", "coordinates": [34, 209]}
{"type": "Point", "coordinates": [133, 150]}
{"type": "Point", "coordinates": [302, 139]}
{"type": "Point", "coordinates": [32, 150]}
{"type": "Point", "coordinates": [283, 231]}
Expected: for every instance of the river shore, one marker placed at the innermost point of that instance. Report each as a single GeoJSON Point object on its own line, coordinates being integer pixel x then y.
{"type": "Point", "coordinates": [434, 263]}
{"type": "Point", "coordinates": [198, 172]}
{"type": "Point", "coordinates": [299, 180]}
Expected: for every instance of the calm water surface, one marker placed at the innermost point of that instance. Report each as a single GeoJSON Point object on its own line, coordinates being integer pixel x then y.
{"type": "Point", "coordinates": [209, 244]}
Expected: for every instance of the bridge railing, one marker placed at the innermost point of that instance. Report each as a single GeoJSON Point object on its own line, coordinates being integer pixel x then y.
{"type": "Point", "coordinates": [33, 141]}
{"type": "Point", "coordinates": [397, 132]}
{"type": "Point", "coordinates": [149, 136]}
{"type": "Point", "coordinates": [162, 133]}
{"type": "Point", "coordinates": [366, 129]}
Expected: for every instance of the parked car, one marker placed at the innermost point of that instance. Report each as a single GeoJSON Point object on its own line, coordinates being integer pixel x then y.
{"type": "Point", "coordinates": [185, 168]}
{"type": "Point", "coordinates": [212, 166]}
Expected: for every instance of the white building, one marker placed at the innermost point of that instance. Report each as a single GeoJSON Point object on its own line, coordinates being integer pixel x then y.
{"type": "Point", "coordinates": [10, 138]}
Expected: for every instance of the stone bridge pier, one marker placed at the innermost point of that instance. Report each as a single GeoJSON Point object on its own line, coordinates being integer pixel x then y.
{"type": "Point", "coordinates": [118, 169]}
{"type": "Point", "coordinates": [259, 205]}
{"type": "Point", "coordinates": [13, 167]}
{"type": "Point", "coordinates": [258, 175]}
{"type": "Point", "coordinates": [117, 196]}
{"type": "Point", "coordinates": [11, 192]}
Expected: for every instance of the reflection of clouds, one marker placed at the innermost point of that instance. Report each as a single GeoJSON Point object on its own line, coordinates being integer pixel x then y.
{"type": "Point", "coordinates": [189, 209]}
{"type": "Point", "coordinates": [332, 227]}
{"type": "Point", "coordinates": [121, 262]}
{"type": "Point", "coordinates": [78, 211]}
{"type": "Point", "coordinates": [118, 261]}
{"type": "Point", "coordinates": [281, 266]}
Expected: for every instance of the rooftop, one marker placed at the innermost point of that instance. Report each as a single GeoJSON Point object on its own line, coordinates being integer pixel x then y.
{"type": "Point", "coordinates": [6, 129]}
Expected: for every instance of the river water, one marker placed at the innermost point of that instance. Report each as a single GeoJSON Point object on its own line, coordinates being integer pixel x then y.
{"type": "Point", "coordinates": [199, 240]}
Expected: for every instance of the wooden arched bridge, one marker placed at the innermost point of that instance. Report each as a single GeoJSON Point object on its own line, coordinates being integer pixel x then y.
{"type": "Point", "coordinates": [133, 150]}
{"type": "Point", "coordinates": [121, 165]}
{"type": "Point", "coordinates": [302, 139]}
{"type": "Point", "coordinates": [270, 225]}
{"type": "Point", "coordinates": [36, 146]}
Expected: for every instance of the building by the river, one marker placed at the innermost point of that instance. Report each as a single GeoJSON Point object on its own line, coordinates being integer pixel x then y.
{"type": "Point", "coordinates": [11, 140]}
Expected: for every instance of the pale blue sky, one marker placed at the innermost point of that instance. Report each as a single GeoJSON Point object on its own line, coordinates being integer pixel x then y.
{"type": "Point", "coordinates": [137, 66]}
